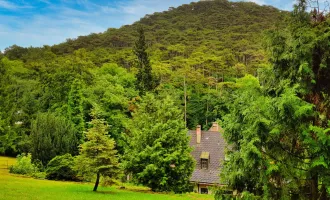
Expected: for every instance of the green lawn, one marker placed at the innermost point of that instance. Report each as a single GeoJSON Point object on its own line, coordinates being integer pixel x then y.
{"type": "Point", "coordinates": [14, 187]}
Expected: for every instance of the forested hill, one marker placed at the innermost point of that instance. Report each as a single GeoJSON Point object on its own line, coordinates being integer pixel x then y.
{"type": "Point", "coordinates": [196, 46]}
{"type": "Point", "coordinates": [196, 24]}
{"type": "Point", "coordinates": [208, 27]}
{"type": "Point", "coordinates": [213, 28]}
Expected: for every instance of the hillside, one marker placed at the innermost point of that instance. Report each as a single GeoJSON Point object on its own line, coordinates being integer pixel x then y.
{"type": "Point", "coordinates": [199, 45]}
{"type": "Point", "coordinates": [216, 28]}
{"type": "Point", "coordinates": [195, 23]}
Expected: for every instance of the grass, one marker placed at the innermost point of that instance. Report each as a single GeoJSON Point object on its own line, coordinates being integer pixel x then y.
{"type": "Point", "coordinates": [15, 187]}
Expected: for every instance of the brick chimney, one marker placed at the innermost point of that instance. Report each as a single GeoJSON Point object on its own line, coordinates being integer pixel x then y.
{"type": "Point", "coordinates": [199, 134]}
{"type": "Point", "coordinates": [215, 127]}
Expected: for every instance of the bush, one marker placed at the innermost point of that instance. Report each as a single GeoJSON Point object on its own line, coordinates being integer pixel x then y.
{"type": "Point", "coordinates": [24, 165]}
{"type": "Point", "coordinates": [39, 175]}
{"type": "Point", "coordinates": [226, 194]}
{"type": "Point", "coordinates": [61, 168]}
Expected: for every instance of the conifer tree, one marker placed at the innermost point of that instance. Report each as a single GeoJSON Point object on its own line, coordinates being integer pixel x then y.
{"type": "Point", "coordinates": [52, 135]}
{"type": "Point", "coordinates": [145, 80]}
{"type": "Point", "coordinates": [158, 154]}
{"type": "Point", "coordinates": [98, 155]}
{"type": "Point", "coordinates": [279, 132]}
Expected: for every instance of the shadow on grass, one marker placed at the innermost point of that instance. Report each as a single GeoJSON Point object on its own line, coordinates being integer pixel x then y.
{"type": "Point", "coordinates": [105, 192]}
{"type": "Point", "coordinates": [141, 190]}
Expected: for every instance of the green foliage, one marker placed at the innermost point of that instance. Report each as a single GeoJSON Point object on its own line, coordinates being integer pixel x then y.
{"type": "Point", "coordinates": [158, 154]}
{"type": "Point", "coordinates": [13, 104]}
{"type": "Point", "coordinates": [24, 165]}
{"type": "Point", "coordinates": [61, 168]}
{"type": "Point", "coordinates": [111, 92]}
{"type": "Point", "coordinates": [202, 44]}
{"type": "Point", "coordinates": [97, 156]}
{"type": "Point", "coordinates": [278, 131]}
{"type": "Point", "coordinates": [145, 81]}
{"type": "Point", "coordinates": [260, 129]}
{"type": "Point", "coordinates": [223, 195]}
{"type": "Point", "coordinates": [15, 52]}
{"type": "Point", "coordinates": [51, 136]}
{"type": "Point", "coordinates": [195, 51]}
{"type": "Point", "coordinates": [8, 138]}
{"type": "Point", "coordinates": [75, 108]}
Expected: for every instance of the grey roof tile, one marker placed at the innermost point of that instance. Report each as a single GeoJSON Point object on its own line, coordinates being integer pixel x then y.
{"type": "Point", "coordinates": [214, 143]}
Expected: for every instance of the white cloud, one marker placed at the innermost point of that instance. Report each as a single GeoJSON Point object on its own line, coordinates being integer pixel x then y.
{"type": "Point", "coordinates": [4, 4]}
{"type": "Point", "coordinates": [63, 21]}
{"type": "Point", "coordinates": [8, 5]}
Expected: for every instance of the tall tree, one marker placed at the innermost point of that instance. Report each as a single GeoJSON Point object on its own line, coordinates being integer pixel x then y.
{"type": "Point", "coordinates": [158, 154]}
{"type": "Point", "coordinates": [98, 155]}
{"type": "Point", "coordinates": [75, 108]}
{"type": "Point", "coordinates": [278, 133]}
{"type": "Point", "coordinates": [145, 80]}
{"type": "Point", "coordinates": [303, 58]}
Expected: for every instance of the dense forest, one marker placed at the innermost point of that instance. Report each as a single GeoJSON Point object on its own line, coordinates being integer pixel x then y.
{"type": "Point", "coordinates": [191, 50]}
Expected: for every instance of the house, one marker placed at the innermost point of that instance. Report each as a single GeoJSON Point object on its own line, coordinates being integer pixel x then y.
{"type": "Point", "coordinates": [209, 152]}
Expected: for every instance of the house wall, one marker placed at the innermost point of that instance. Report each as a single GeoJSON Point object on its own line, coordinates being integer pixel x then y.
{"type": "Point", "coordinates": [199, 187]}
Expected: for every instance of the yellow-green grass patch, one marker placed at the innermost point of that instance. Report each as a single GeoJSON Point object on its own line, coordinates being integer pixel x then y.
{"type": "Point", "coordinates": [15, 187]}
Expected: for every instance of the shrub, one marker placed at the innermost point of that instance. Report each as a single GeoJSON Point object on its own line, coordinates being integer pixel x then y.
{"type": "Point", "coordinates": [61, 168]}
{"type": "Point", "coordinates": [227, 194]}
{"type": "Point", "coordinates": [24, 165]}
{"type": "Point", "coordinates": [39, 175]}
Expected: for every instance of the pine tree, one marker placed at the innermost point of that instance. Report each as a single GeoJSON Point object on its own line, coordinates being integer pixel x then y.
{"type": "Point", "coordinates": [98, 155]}
{"type": "Point", "coordinates": [145, 80]}
{"type": "Point", "coordinates": [158, 154]}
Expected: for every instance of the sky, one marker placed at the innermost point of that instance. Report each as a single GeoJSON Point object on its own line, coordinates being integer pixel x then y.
{"type": "Point", "coordinates": [47, 22]}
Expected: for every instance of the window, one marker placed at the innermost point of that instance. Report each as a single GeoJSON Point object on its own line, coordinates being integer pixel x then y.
{"type": "Point", "coordinates": [205, 157]}
{"type": "Point", "coordinates": [204, 191]}
{"type": "Point", "coordinates": [204, 163]}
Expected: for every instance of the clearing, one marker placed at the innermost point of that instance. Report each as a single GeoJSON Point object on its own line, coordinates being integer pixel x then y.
{"type": "Point", "coordinates": [15, 187]}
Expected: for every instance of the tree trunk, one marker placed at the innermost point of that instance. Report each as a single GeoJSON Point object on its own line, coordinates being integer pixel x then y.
{"type": "Point", "coordinates": [323, 195]}
{"type": "Point", "coordinates": [97, 182]}
{"type": "Point", "coordinates": [185, 101]}
{"type": "Point", "coordinates": [314, 188]}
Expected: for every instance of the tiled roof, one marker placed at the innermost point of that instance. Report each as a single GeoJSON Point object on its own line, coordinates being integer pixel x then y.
{"type": "Point", "coordinates": [211, 142]}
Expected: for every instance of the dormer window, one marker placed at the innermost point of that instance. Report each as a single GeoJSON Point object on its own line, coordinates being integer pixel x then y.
{"type": "Point", "coordinates": [205, 159]}
{"type": "Point", "coordinates": [204, 163]}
